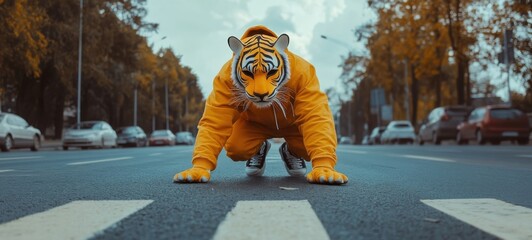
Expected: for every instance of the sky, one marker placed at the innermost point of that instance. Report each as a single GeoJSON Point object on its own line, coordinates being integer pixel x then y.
{"type": "Point", "coordinates": [198, 31]}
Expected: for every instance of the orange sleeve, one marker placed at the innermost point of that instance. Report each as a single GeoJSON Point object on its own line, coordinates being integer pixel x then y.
{"type": "Point", "coordinates": [314, 117]}
{"type": "Point", "coordinates": [217, 121]}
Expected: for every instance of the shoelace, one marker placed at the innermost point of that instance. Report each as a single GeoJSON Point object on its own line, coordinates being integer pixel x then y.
{"type": "Point", "coordinates": [295, 162]}
{"type": "Point", "coordinates": [254, 161]}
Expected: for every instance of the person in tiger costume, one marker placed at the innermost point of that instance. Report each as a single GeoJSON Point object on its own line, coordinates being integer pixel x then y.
{"type": "Point", "coordinates": [266, 91]}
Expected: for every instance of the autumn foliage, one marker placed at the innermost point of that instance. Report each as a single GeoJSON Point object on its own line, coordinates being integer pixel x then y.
{"type": "Point", "coordinates": [39, 57]}
{"type": "Point", "coordinates": [422, 52]}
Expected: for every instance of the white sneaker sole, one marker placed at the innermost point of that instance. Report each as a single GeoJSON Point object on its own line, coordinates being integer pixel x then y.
{"type": "Point", "coordinates": [256, 172]}
{"type": "Point", "coordinates": [293, 173]}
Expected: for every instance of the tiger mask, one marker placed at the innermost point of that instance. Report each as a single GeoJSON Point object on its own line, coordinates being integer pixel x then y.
{"type": "Point", "coordinates": [260, 68]}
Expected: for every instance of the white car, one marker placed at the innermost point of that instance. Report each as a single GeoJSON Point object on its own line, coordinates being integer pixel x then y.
{"type": "Point", "coordinates": [89, 134]}
{"type": "Point", "coordinates": [398, 132]}
{"type": "Point", "coordinates": [15, 132]}
{"type": "Point", "coordinates": [184, 138]}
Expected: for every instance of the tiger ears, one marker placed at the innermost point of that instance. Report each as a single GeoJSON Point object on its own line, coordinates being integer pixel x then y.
{"type": "Point", "coordinates": [282, 42]}
{"type": "Point", "coordinates": [235, 44]}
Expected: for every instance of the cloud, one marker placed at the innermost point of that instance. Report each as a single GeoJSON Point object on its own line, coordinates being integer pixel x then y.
{"type": "Point", "coordinates": [198, 30]}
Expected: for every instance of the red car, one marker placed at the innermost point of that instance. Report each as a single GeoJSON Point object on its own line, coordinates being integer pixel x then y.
{"type": "Point", "coordinates": [494, 124]}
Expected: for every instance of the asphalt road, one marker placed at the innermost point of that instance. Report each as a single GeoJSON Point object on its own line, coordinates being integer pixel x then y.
{"type": "Point", "coordinates": [381, 201]}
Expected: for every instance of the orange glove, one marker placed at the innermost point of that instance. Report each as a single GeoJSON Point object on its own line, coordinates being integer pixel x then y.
{"type": "Point", "coordinates": [326, 175]}
{"type": "Point", "coordinates": [193, 175]}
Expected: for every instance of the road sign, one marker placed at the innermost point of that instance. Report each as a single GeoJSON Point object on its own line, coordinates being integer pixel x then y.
{"type": "Point", "coordinates": [507, 53]}
{"type": "Point", "coordinates": [386, 113]}
{"type": "Point", "coordinates": [377, 98]}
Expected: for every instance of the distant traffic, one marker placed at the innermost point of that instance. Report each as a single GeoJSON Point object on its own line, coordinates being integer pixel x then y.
{"type": "Point", "coordinates": [456, 124]}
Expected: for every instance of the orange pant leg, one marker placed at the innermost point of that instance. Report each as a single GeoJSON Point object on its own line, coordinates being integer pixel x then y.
{"type": "Point", "coordinates": [245, 140]}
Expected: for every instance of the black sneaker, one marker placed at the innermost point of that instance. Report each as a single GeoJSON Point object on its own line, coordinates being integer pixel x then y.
{"type": "Point", "coordinates": [256, 165]}
{"type": "Point", "coordinates": [295, 166]}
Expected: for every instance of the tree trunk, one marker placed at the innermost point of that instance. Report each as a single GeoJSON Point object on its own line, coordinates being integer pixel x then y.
{"type": "Point", "coordinates": [460, 81]}
{"type": "Point", "coordinates": [468, 85]}
{"type": "Point", "coordinates": [58, 114]}
{"type": "Point", "coordinates": [414, 93]}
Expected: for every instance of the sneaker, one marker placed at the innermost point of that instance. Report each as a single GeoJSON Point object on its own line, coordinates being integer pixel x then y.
{"type": "Point", "coordinates": [256, 165]}
{"type": "Point", "coordinates": [295, 166]}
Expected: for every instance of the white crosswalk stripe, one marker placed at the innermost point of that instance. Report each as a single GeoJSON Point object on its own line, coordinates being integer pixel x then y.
{"type": "Point", "coordinates": [75, 220]}
{"type": "Point", "coordinates": [271, 220]}
{"type": "Point", "coordinates": [493, 216]}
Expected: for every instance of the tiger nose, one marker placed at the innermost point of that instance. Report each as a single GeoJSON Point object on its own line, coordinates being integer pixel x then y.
{"type": "Point", "coordinates": [260, 96]}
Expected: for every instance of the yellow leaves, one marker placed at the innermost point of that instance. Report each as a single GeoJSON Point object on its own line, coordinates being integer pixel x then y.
{"type": "Point", "coordinates": [23, 24]}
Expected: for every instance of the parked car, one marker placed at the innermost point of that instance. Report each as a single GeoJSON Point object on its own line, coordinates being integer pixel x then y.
{"type": "Point", "coordinates": [162, 138]}
{"type": "Point", "coordinates": [365, 140]}
{"type": "Point", "coordinates": [398, 132]}
{"type": "Point", "coordinates": [375, 136]}
{"type": "Point", "coordinates": [89, 134]}
{"type": "Point", "coordinates": [15, 132]}
{"type": "Point", "coordinates": [345, 140]}
{"type": "Point", "coordinates": [185, 138]}
{"type": "Point", "coordinates": [494, 124]}
{"type": "Point", "coordinates": [441, 124]}
{"type": "Point", "coordinates": [131, 136]}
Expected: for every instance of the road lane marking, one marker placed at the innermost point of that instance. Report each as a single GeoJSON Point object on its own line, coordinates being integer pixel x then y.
{"type": "Point", "coordinates": [99, 161]}
{"type": "Point", "coordinates": [502, 219]}
{"type": "Point", "coordinates": [525, 156]}
{"type": "Point", "coordinates": [17, 158]}
{"type": "Point", "coordinates": [6, 170]}
{"type": "Point", "coordinates": [271, 220]}
{"type": "Point", "coordinates": [351, 151]}
{"type": "Point", "coordinates": [428, 158]}
{"type": "Point", "coordinates": [155, 154]}
{"type": "Point", "coordinates": [75, 220]}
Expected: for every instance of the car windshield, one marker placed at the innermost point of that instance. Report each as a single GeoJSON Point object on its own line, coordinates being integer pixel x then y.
{"type": "Point", "coordinates": [125, 131]}
{"type": "Point", "coordinates": [2, 117]}
{"type": "Point", "coordinates": [505, 113]}
{"type": "Point", "coordinates": [457, 111]}
{"type": "Point", "coordinates": [84, 125]}
{"type": "Point", "coordinates": [183, 134]}
{"type": "Point", "coordinates": [402, 125]}
{"type": "Point", "coordinates": [160, 133]}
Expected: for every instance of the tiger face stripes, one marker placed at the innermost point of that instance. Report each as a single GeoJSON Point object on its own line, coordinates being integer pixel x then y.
{"type": "Point", "coordinates": [260, 68]}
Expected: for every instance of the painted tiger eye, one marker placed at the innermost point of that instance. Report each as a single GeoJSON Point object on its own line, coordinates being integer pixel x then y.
{"type": "Point", "coordinates": [272, 72]}
{"type": "Point", "coordinates": [247, 73]}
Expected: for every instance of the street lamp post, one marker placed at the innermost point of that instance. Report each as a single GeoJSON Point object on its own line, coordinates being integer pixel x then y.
{"type": "Point", "coordinates": [153, 105]}
{"type": "Point", "coordinates": [166, 100]}
{"type": "Point", "coordinates": [153, 99]}
{"type": "Point", "coordinates": [335, 85]}
{"type": "Point", "coordinates": [135, 106]}
{"type": "Point", "coordinates": [78, 112]}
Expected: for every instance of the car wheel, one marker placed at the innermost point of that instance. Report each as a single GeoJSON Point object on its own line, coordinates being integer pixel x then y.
{"type": "Point", "coordinates": [102, 146]}
{"type": "Point", "coordinates": [65, 148]}
{"type": "Point", "coordinates": [8, 144]}
{"type": "Point", "coordinates": [420, 140]}
{"type": "Point", "coordinates": [436, 139]}
{"type": "Point", "coordinates": [460, 140]}
{"type": "Point", "coordinates": [495, 142]}
{"type": "Point", "coordinates": [480, 138]}
{"type": "Point", "coordinates": [36, 143]}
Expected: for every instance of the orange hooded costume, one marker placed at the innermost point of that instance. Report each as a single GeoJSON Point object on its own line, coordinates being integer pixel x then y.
{"type": "Point", "coordinates": [306, 124]}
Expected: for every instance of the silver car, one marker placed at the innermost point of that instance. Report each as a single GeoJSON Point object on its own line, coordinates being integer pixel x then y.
{"type": "Point", "coordinates": [89, 134]}
{"type": "Point", "coordinates": [15, 132]}
{"type": "Point", "coordinates": [184, 138]}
